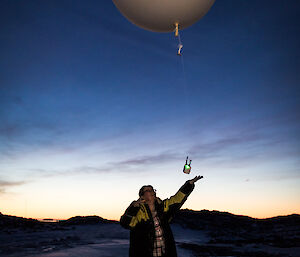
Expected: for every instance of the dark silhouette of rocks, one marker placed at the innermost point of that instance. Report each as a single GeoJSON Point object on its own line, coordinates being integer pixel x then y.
{"type": "Point", "coordinates": [7, 221]}
{"type": "Point", "coordinates": [86, 220]}
{"type": "Point", "coordinates": [211, 219]}
{"type": "Point", "coordinates": [227, 228]}
{"type": "Point", "coordinates": [221, 233]}
{"type": "Point", "coordinates": [10, 222]}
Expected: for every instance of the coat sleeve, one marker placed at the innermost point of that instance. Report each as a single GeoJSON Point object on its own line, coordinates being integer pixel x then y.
{"type": "Point", "coordinates": [174, 203]}
{"type": "Point", "coordinates": [133, 216]}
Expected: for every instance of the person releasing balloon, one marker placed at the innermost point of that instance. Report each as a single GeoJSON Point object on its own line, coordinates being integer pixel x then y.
{"type": "Point", "coordinates": [148, 220]}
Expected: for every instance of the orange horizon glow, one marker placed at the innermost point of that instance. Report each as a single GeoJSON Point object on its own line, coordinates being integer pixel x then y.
{"type": "Point", "coordinates": [39, 201]}
{"type": "Point", "coordinates": [117, 217]}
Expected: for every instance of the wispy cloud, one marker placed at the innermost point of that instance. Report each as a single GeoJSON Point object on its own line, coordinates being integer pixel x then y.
{"type": "Point", "coordinates": [148, 159]}
{"type": "Point", "coordinates": [129, 165]}
{"type": "Point", "coordinates": [12, 130]}
{"type": "Point", "coordinates": [45, 173]}
{"type": "Point", "coordinates": [19, 120]}
{"type": "Point", "coordinates": [259, 139]}
{"type": "Point", "coordinates": [20, 137]}
{"type": "Point", "coordinates": [4, 184]}
{"type": "Point", "coordinates": [9, 130]}
{"type": "Point", "coordinates": [214, 148]}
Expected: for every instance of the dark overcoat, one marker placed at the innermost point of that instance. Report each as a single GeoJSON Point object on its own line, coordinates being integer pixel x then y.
{"type": "Point", "coordinates": [140, 222]}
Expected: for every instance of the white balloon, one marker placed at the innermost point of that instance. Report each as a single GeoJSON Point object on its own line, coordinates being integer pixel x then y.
{"type": "Point", "coordinates": [162, 15]}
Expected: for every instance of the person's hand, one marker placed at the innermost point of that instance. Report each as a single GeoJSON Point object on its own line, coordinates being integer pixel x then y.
{"type": "Point", "coordinates": [195, 179]}
{"type": "Point", "coordinates": [138, 202]}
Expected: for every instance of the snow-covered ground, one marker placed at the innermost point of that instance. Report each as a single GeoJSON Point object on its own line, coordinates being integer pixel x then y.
{"type": "Point", "coordinates": [111, 240]}
{"type": "Point", "coordinates": [106, 240]}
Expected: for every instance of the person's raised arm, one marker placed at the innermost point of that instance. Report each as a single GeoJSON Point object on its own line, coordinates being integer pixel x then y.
{"type": "Point", "coordinates": [174, 203]}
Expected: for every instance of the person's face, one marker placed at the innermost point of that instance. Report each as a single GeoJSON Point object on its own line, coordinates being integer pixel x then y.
{"type": "Point", "coordinates": [149, 194]}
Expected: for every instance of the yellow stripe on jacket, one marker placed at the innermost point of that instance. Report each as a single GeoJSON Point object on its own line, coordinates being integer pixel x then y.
{"type": "Point", "coordinates": [141, 215]}
{"type": "Point", "coordinates": [177, 198]}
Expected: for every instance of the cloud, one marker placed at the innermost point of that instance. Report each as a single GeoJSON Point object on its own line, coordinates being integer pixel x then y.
{"type": "Point", "coordinates": [252, 142]}
{"type": "Point", "coordinates": [214, 148]}
{"type": "Point", "coordinates": [4, 184]}
{"type": "Point", "coordinates": [47, 173]}
{"type": "Point", "coordinates": [232, 146]}
{"type": "Point", "coordinates": [147, 160]}
{"type": "Point", "coordinates": [129, 165]}
{"type": "Point", "coordinates": [21, 137]}
{"type": "Point", "coordinates": [10, 130]}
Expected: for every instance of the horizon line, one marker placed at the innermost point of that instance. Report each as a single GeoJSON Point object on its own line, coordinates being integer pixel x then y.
{"type": "Point", "coordinates": [57, 219]}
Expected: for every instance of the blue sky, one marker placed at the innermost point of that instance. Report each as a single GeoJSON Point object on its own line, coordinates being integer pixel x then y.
{"type": "Point", "coordinates": [87, 96]}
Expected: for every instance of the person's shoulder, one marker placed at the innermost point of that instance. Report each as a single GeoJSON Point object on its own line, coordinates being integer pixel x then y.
{"type": "Point", "coordinates": [159, 201]}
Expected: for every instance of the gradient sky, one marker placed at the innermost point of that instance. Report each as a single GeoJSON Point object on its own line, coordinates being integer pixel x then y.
{"type": "Point", "coordinates": [93, 107]}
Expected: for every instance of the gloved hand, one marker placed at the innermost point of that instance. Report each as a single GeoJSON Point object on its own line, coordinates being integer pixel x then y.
{"type": "Point", "coordinates": [138, 202]}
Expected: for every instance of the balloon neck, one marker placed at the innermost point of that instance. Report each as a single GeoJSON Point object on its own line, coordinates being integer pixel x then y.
{"type": "Point", "coordinates": [176, 29]}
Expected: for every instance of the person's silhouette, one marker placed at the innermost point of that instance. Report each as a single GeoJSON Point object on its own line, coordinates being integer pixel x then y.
{"type": "Point", "coordinates": [148, 220]}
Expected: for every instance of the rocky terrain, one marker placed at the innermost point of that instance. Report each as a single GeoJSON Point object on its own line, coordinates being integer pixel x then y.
{"type": "Point", "coordinates": [197, 233]}
{"type": "Point", "coordinates": [236, 235]}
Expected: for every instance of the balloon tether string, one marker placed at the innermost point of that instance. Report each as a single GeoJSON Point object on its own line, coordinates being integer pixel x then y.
{"type": "Point", "coordinates": [180, 45]}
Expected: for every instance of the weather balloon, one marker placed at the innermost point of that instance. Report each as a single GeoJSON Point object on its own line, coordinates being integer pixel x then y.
{"type": "Point", "coordinates": [163, 15]}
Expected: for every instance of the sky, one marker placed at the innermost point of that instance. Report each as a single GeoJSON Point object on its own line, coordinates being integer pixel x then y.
{"type": "Point", "coordinates": [93, 107]}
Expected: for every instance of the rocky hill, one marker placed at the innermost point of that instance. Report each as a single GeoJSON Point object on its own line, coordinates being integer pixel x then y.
{"type": "Point", "coordinates": [11, 222]}
{"type": "Point", "coordinates": [204, 233]}
{"type": "Point", "coordinates": [224, 227]}
{"type": "Point", "coordinates": [7, 221]}
{"type": "Point", "coordinates": [86, 220]}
